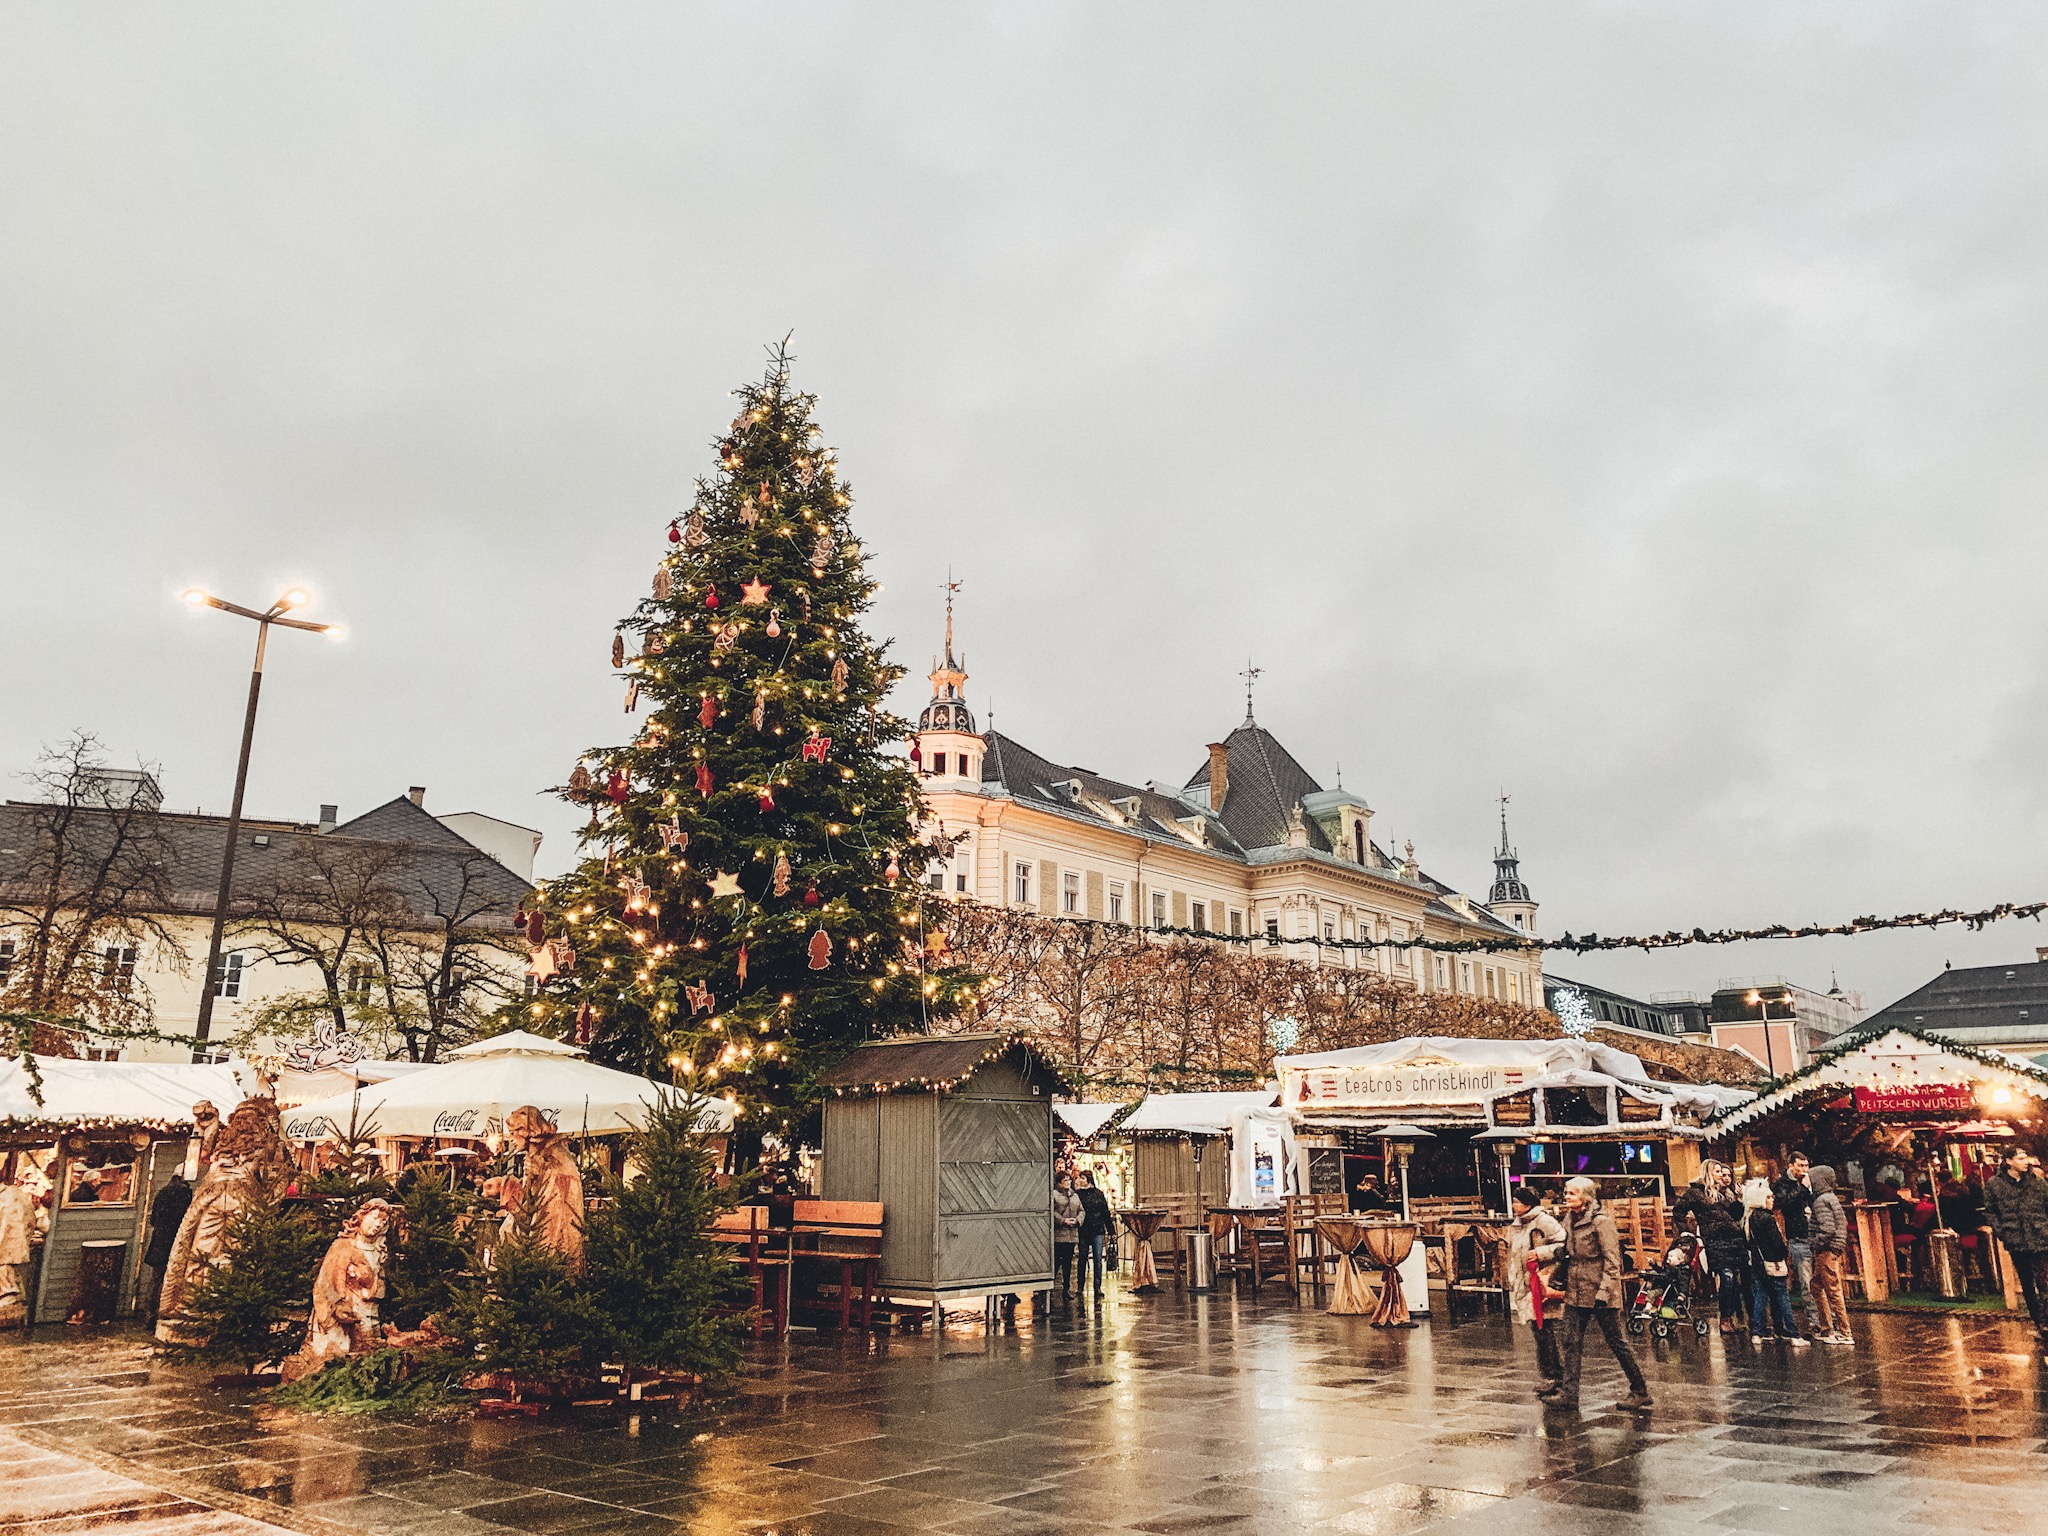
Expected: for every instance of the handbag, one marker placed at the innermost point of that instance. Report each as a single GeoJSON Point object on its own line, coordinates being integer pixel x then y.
{"type": "Point", "coordinates": [1777, 1269]}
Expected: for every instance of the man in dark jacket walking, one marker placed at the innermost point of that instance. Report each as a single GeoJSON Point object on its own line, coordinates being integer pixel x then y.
{"type": "Point", "coordinates": [1592, 1255]}
{"type": "Point", "coordinates": [1794, 1197]}
{"type": "Point", "coordinates": [2016, 1200]}
{"type": "Point", "coordinates": [1097, 1222]}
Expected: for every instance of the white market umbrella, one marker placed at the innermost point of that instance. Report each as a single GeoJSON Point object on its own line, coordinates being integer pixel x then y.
{"type": "Point", "coordinates": [472, 1094]}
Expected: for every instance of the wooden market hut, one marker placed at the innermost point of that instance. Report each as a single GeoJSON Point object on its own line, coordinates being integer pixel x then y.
{"type": "Point", "coordinates": [953, 1134]}
{"type": "Point", "coordinates": [1180, 1143]}
{"type": "Point", "coordinates": [94, 1141]}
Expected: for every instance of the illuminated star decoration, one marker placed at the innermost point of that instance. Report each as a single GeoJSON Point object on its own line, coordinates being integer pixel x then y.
{"type": "Point", "coordinates": [723, 884]}
{"type": "Point", "coordinates": [701, 999]}
{"type": "Point", "coordinates": [542, 963]}
{"type": "Point", "coordinates": [754, 594]}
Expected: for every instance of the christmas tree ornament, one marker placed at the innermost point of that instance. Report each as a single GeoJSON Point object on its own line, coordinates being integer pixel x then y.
{"type": "Point", "coordinates": [561, 954]}
{"type": "Point", "coordinates": [916, 755]}
{"type": "Point", "coordinates": [637, 893]}
{"type": "Point", "coordinates": [760, 708]}
{"type": "Point", "coordinates": [675, 530]}
{"type": "Point", "coordinates": [664, 584]}
{"type": "Point", "coordinates": [894, 869]}
{"type": "Point", "coordinates": [701, 998]}
{"type": "Point", "coordinates": [811, 896]}
{"type": "Point", "coordinates": [723, 885]}
{"type": "Point", "coordinates": [754, 594]}
{"type": "Point", "coordinates": [653, 645]}
{"type": "Point", "coordinates": [821, 950]}
{"type": "Point", "coordinates": [584, 1020]}
{"type": "Point", "coordinates": [816, 748]}
{"type": "Point", "coordinates": [704, 780]}
{"type": "Point", "coordinates": [728, 636]}
{"type": "Point", "coordinates": [821, 553]}
{"type": "Point", "coordinates": [711, 597]}
{"type": "Point", "coordinates": [540, 965]}
{"type": "Point", "coordinates": [807, 605]}
{"type": "Point", "coordinates": [673, 837]}
{"type": "Point", "coordinates": [579, 781]}
{"type": "Point", "coordinates": [743, 965]}
{"type": "Point", "coordinates": [591, 825]}
{"type": "Point", "coordinates": [536, 928]}
{"type": "Point", "coordinates": [767, 798]}
{"type": "Point", "coordinates": [618, 787]}
{"type": "Point", "coordinates": [707, 712]}
{"type": "Point", "coordinates": [632, 695]}
{"type": "Point", "coordinates": [774, 623]}
{"type": "Point", "coordinates": [782, 874]}
{"type": "Point", "coordinates": [839, 677]}
{"type": "Point", "coordinates": [740, 423]}
{"type": "Point", "coordinates": [618, 649]}
{"type": "Point", "coordinates": [694, 536]}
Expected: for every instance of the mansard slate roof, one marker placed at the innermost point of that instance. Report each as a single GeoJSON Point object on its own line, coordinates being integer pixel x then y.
{"type": "Point", "coordinates": [430, 880]}
{"type": "Point", "coordinates": [1265, 784]}
{"type": "Point", "coordinates": [1980, 1004]}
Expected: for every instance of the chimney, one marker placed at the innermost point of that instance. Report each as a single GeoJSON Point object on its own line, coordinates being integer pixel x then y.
{"type": "Point", "coordinates": [329, 815]}
{"type": "Point", "coordinates": [417, 795]}
{"type": "Point", "coordinates": [1219, 774]}
{"type": "Point", "coordinates": [2041, 953]}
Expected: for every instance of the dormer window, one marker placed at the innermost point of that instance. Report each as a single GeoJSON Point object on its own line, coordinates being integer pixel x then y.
{"type": "Point", "coordinates": [1070, 788]}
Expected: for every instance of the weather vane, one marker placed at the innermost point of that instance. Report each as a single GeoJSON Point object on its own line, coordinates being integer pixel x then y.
{"type": "Point", "coordinates": [1251, 675]}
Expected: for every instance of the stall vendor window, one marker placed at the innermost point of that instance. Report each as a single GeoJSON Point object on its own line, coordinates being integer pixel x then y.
{"type": "Point", "coordinates": [100, 1176]}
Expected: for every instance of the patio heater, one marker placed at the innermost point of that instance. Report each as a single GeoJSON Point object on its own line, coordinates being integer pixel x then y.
{"type": "Point", "coordinates": [1399, 1141]}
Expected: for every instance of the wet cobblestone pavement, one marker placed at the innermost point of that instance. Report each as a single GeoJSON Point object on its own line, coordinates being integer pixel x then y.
{"type": "Point", "coordinates": [1208, 1416]}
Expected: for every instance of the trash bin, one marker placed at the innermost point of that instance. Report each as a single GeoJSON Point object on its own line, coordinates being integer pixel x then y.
{"type": "Point", "coordinates": [1945, 1265]}
{"type": "Point", "coordinates": [97, 1290]}
{"type": "Point", "coordinates": [1201, 1260]}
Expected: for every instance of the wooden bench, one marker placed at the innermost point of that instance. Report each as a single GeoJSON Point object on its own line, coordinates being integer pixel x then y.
{"type": "Point", "coordinates": [843, 1237]}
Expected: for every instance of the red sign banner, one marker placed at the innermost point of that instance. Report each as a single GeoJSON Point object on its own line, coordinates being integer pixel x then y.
{"type": "Point", "coordinates": [1918, 1099]}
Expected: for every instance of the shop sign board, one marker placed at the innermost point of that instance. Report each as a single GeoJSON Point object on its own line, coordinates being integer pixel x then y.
{"type": "Point", "coordinates": [1424, 1081]}
{"type": "Point", "coordinates": [1918, 1099]}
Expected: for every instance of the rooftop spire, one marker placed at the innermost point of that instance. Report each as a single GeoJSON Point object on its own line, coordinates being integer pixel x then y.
{"type": "Point", "coordinates": [948, 709]}
{"type": "Point", "coordinates": [1251, 675]}
{"type": "Point", "coordinates": [1507, 871]}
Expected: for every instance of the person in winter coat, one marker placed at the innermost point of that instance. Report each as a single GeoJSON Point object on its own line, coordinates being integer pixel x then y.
{"type": "Point", "coordinates": [1067, 1216]}
{"type": "Point", "coordinates": [1794, 1202]}
{"type": "Point", "coordinates": [2016, 1200]}
{"type": "Point", "coordinates": [1770, 1266]}
{"type": "Point", "coordinates": [1592, 1252]}
{"type": "Point", "coordinates": [166, 1214]}
{"type": "Point", "coordinates": [1728, 1260]}
{"type": "Point", "coordinates": [1538, 1235]}
{"type": "Point", "coordinates": [1097, 1222]}
{"type": "Point", "coordinates": [1828, 1231]}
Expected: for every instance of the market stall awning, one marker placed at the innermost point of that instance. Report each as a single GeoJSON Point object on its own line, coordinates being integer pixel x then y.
{"type": "Point", "coordinates": [1900, 1072]}
{"type": "Point", "coordinates": [1443, 1080]}
{"type": "Point", "coordinates": [1085, 1120]}
{"type": "Point", "coordinates": [1192, 1114]}
{"type": "Point", "coordinates": [472, 1094]}
{"type": "Point", "coordinates": [155, 1094]}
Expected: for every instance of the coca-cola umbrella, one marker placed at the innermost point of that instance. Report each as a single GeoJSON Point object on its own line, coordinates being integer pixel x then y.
{"type": "Point", "coordinates": [472, 1093]}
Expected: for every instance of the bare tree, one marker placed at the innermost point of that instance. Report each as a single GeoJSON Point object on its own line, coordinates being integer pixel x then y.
{"type": "Point", "coordinates": [87, 877]}
{"type": "Point", "coordinates": [447, 971]}
{"type": "Point", "coordinates": [332, 906]}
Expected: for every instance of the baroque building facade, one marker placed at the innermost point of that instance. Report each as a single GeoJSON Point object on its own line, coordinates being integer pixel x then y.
{"type": "Point", "coordinates": [1250, 846]}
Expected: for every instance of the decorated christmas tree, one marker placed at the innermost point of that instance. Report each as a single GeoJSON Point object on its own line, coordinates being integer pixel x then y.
{"type": "Point", "coordinates": [749, 905]}
{"type": "Point", "coordinates": [250, 1309]}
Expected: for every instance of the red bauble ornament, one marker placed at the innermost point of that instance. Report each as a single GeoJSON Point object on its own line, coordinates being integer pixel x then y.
{"type": "Point", "coordinates": [767, 798]}
{"type": "Point", "coordinates": [916, 756]}
{"type": "Point", "coordinates": [811, 897]}
{"type": "Point", "coordinates": [675, 530]}
{"type": "Point", "coordinates": [704, 780]}
{"type": "Point", "coordinates": [711, 597]}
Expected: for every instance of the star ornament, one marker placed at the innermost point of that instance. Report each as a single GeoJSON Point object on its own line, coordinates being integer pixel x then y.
{"type": "Point", "coordinates": [754, 594]}
{"type": "Point", "coordinates": [723, 884]}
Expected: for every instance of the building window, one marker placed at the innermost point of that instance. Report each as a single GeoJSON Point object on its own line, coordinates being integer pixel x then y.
{"type": "Point", "coordinates": [1514, 987]}
{"type": "Point", "coordinates": [228, 982]}
{"type": "Point", "coordinates": [1159, 909]}
{"type": "Point", "coordinates": [1116, 901]}
{"type": "Point", "coordinates": [1023, 884]}
{"type": "Point", "coordinates": [6, 960]}
{"type": "Point", "coordinates": [1329, 925]}
{"type": "Point", "coordinates": [1198, 916]}
{"type": "Point", "coordinates": [360, 975]}
{"type": "Point", "coordinates": [1070, 893]}
{"type": "Point", "coordinates": [1358, 840]}
{"type": "Point", "coordinates": [1465, 976]}
{"type": "Point", "coordinates": [960, 881]}
{"type": "Point", "coordinates": [88, 1051]}
{"type": "Point", "coordinates": [1236, 923]}
{"type": "Point", "coordinates": [936, 879]}
{"type": "Point", "coordinates": [1272, 930]}
{"type": "Point", "coordinates": [119, 972]}
{"type": "Point", "coordinates": [939, 763]}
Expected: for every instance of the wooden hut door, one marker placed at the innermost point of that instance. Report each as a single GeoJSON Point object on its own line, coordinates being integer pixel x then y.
{"type": "Point", "coordinates": [995, 1188]}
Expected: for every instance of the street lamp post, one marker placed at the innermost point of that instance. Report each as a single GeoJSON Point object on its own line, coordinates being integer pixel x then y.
{"type": "Point", "coordinates": [1763, 1008]}
{"type": "Point", "coordinates": [199, 598]}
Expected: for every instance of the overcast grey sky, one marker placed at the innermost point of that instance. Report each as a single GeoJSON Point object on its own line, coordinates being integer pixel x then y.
{"type": "Point", "coordinates": [1636, 407]}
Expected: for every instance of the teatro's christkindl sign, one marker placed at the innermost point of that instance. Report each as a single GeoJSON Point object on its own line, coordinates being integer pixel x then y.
{"type": "Point", "coordinates": [1434, 1082]}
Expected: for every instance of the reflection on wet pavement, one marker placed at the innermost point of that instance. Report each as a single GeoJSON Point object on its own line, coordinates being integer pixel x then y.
{"type": "Point", "coordinates": [1203, 1415]}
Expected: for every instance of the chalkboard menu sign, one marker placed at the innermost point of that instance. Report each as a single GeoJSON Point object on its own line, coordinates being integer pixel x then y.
{"type": "Point", "coordinates": [1326, 1170]}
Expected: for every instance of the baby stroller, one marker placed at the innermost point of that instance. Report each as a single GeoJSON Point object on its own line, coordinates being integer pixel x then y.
{"type": "Point", "coordinates": [1663, 1303]}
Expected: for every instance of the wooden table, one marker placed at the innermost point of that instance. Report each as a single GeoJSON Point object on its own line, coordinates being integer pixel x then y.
{"type": "Point", "coordinates": [1142, 1223]}
{"type": "Point", "coordinates": [1388, 1244]}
